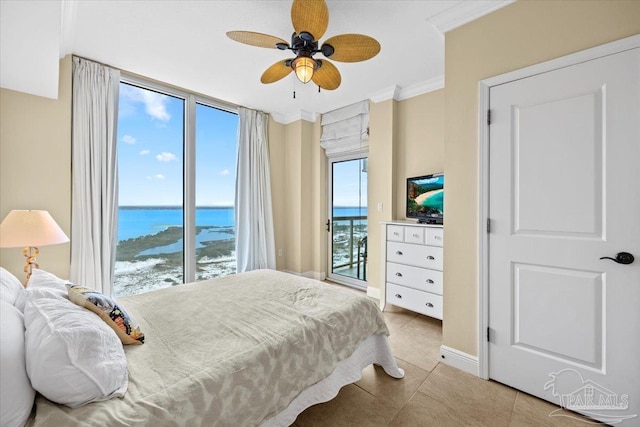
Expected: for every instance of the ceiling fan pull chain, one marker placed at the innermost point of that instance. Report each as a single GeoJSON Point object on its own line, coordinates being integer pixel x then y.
{"type": "Point", "coordinates": [318, 88]}
{"type": "Point", "coordinates": [294, 94]}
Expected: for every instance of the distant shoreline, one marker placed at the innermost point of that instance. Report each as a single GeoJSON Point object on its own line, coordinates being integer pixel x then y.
{"type": "Point", "coordinates": [173, 207]}
{"type": "Point", "coordinates": [128, 208]}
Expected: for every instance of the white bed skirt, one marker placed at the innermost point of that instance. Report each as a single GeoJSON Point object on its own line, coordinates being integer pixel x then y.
{"type": "Point", "coordinates": [374, 349]}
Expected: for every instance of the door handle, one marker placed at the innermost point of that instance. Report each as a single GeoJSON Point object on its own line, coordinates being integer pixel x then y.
{"type": "Point", "coordinates": [621, 258]}
{"type": "Point", "coordinates": [328, 225]}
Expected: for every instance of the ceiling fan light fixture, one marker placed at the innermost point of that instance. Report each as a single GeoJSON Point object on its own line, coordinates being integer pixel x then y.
{"type": "Point", "coordinates": [304, 67]}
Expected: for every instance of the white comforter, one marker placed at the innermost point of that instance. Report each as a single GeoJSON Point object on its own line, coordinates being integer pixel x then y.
{"type": "Point", "coordinates": [233, 351]}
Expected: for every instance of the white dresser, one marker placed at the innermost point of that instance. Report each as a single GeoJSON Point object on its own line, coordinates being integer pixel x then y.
{"type": "Point", "coordinates": [413, 267]}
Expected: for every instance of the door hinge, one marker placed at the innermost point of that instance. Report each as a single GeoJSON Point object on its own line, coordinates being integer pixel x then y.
{"type": "Point", "coordinates": [488, 225]}
{"type": "Point", "coordinates": [488, 117]}
{"type": "Point", "coordinates": [488, 334]}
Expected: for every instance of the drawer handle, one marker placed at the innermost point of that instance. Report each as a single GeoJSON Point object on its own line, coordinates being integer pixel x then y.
{"type": "Point", "coordinates": [399, 274]}
{"type": "Point", "coordinates": [398, 296]}
{"type": "Point", "coordinates": [398, 252]}
{"type": "Point", "coordinates": [429, 305]}
{"type": "Point", "coordinates": [429, 281]}
{"type": "Point", "coordinates": [396, 233]}
{"type": "Point", "coordinates": [415, 235]}
{"type": "Point", "coordinates": [430, 257]}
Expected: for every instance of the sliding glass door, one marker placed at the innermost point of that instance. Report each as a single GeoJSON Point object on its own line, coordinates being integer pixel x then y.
{"type": "Point", "coordinates": [347, 226]}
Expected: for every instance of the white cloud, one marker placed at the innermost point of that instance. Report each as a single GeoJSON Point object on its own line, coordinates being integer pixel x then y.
{"type": "Point", "coordinates": [224, 172]}
{"type": "Point", "coordinates": [157, 176]}
{"type": "Point", "coordinates": [155, 104]}
{"type": "Point", "coordinates": [166, 157]}
{"type": "Point", "coordinates": [144, 152]}
{"type": "Point", "coordinates": [128, 139]}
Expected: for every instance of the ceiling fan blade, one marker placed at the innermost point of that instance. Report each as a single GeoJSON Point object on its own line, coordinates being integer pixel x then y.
{"type": "Point", "coordinates": [311, 16]}
{"type": "Point", "coordinates": [327, 76]}
{"type": "Point", "coordinates": [275, 72]}
{"type": "Point", "coordinates": [255, 39]}
{"type": "Point", "coordinates": [353, 47]}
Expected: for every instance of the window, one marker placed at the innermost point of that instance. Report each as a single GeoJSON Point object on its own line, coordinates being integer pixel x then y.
{"type": "Point", "coordinates": [176, 171]}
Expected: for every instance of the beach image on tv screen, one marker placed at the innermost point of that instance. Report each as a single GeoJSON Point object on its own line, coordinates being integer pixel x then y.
{"type": "Point", "coordinates": [426, 196]}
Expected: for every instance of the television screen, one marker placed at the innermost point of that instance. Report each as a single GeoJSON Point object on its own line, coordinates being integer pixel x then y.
{"type": "Point", "coordinates": [425, 198]}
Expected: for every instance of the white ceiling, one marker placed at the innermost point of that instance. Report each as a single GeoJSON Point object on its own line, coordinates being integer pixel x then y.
{"type": "Point", "coordinates": [183, 43]}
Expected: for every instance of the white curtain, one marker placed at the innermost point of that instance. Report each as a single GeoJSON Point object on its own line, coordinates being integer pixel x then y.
{"type": "Point", "coordinates": [255, 244]}
{"type": "Point", "coordinates": [94, 192]}
{"type": "Point", "coordinates": [346, 129]}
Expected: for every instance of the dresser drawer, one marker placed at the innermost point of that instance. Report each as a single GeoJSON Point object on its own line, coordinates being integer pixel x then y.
{"type": "Point", "coordinates": [395, 233]}
{"type": "Point", "coordinates": [435, 236]}
{"type": "Point", "coordinates": [416, 255]}
{"type": "Point", "coordinates": [421, 279]}
{"type": "Point", "coordinates": [414, 300]}
{"type": "Point", "coordinates": [414, 235]}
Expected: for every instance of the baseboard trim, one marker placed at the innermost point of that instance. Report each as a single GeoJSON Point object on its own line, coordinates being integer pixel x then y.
{"type": "Point", "coordinates": [373, 292]}
{"type": "Point", "coordinates": [459, 359]}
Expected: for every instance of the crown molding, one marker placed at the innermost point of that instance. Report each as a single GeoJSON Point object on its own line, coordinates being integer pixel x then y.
{"type": "Point", "coordinates": [385, 94]}
{"type": "Point", "coordinates": [285, 119]}
{"type": "Point", "coordinates": [420, 88]}
{"type": "Point", "coordinates": [308, 116]}
{"type": "Point", "coordinates": [465, 11]}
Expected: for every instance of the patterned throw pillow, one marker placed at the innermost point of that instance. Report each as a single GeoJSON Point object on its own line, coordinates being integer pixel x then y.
{"type": "Point", "coordinates": [125, 327]}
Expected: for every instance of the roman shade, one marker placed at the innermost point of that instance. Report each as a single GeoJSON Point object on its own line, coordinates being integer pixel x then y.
{"type": "Point", "coordinates": [346, 129]}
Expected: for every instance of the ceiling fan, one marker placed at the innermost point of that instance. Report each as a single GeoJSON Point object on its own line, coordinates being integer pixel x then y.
{"type": "Point", "coordinates": [310, 19]}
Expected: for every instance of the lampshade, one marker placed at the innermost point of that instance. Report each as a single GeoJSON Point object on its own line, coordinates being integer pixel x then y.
{"type": "Point", "coordinates": [23, 228]}
{"type": "Point", "coordinates": [304, 67]}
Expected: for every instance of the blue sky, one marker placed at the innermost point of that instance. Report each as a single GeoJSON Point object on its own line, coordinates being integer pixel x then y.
{"type": "Point", "coordinates": [150, 151]}
{"type": "Point", "coordinates": [349, 184]}
{"type": "Point", "coordinates": [150, 154]}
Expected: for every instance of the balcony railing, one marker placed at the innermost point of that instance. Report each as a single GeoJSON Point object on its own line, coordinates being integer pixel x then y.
{"type": "Point", "coordinates": [348, 254]}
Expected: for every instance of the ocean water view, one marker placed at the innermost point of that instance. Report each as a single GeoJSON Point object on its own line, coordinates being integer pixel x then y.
{"type": "Point", "coordinates": [136, 221]}
{"type": "Point", "coordinates": [150, 244]}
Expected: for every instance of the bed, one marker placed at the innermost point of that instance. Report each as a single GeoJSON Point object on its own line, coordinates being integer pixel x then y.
{"type": "Point", "coordinates": [255, 348]}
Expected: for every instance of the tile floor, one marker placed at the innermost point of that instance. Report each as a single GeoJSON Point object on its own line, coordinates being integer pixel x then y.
{"type": "Point", "coordinates": [431, 393]}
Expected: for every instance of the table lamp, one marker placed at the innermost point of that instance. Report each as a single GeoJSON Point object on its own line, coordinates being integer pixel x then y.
{"type": "Point", "coordinates": [29, 229]}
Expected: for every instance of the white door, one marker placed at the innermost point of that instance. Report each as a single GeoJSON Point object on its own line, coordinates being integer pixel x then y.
{"type": "Point", "coordinates": [564, 192]}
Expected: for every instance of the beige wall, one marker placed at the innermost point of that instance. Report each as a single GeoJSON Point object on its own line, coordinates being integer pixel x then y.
{"type": "Point", "coordinates": [420, 142]}
{"type": "Point", "coordinates": [35, 166]}
{"type": "Point", "coordinates": [521, 34]}
{"type": "Point", "coordinates": [299, 196]}
{"type": "Point", "coordinates": [277, 150]}
{"type": "Point", "coordinates": [380, 175]}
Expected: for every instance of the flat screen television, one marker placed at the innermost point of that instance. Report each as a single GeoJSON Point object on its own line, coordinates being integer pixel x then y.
{"type": "Point", "coordinates": [425, 198]}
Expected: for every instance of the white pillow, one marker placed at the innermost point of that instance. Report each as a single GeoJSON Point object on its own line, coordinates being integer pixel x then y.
{"type": "Point", "coordinates": [43, 279]}
{"type": "Point", "coordinates": [73, 357]}
{"type": "Point", "coordinates": [11, 290]}
{"type": "Point", "coordinates": [16, 393]}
